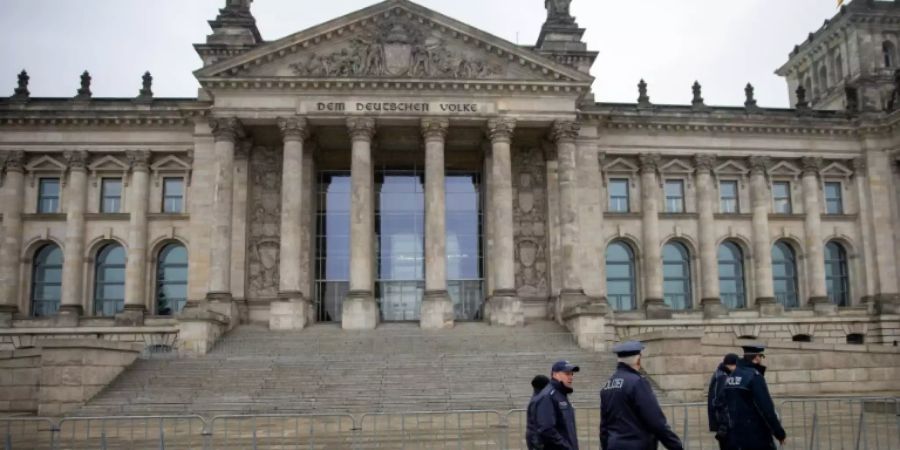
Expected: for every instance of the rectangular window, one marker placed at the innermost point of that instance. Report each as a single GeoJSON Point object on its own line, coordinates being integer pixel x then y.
{"type": "Point", "coordinates": [674, 196]}
{"type": "Point", "coordinates": [728, 197]}
{"type": "Point", "coordinates": [173, 195]}
{"type": "Point", "coordinates": [618, 195]}
{"type": "Point", "coordinates": [48, 196]}
{"type": "Point", "coordinates": [781, 194]}
{"type": "Point", "coordinates": [110, 195]}
{"type": "Point", "coordinates": [834, 201]}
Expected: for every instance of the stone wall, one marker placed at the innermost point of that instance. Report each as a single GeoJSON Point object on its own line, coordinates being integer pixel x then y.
{"type": "Point", "coordinates": [530, 224]}
{"type": "Point", "coordinates": [20, 375]}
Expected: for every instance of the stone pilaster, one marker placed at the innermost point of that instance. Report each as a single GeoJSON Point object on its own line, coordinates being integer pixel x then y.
{"type": "Point", "coordinates": [11, 247]}
{"type": "Point", "coordinates": [437, 307]}
{"type": "Point", "coordinates": [290, 312]}
{"type": "Point", "coordinates": [866, 233]}
{"type": "Point", "coordinates": [880, 184]}
{"type": "Point", "coordinates": [812, 230]}
{"type": "Point", "coordinates": [72, 303]}
{"type": "Point", "coordinates": [654, 305]}
{"type": "Point", "coordinates": [136, 270]}
{"type": "Point", "coordinates": [505, 305]}
{"type": "Point", "coordinates": [762, 249]}
{"type": "Point", "coordinates": [359, 310]}
{"type": "Point", "coordinates": [710, 300]}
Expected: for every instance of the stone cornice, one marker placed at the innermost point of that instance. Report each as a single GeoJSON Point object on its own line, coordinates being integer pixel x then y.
{"type": "Point", "coordinates": [102, 112]}
{"type": "Point", "coordinates": [500, 87]}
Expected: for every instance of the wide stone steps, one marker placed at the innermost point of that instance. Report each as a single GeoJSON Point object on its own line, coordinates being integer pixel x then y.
{"type": "Point", "coordinates": [323, 369]}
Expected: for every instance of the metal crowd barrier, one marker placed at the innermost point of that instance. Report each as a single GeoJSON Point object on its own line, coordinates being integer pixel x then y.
{"type": "Point", "coordinates": [813, 424]}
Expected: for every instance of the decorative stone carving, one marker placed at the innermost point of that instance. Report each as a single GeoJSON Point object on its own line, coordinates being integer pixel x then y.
{"type": "Point", "coordinates": [361, 128]}
{"type": "Point", "coordinates": [226, 128]}
{"type": "Point", "coordinates": [76, 159]}
{"type": "Point", "coordinates": [643, 99]}
{"type": "Point", "coordinates": [396, 49]}
{"type": "Point", "coordinates": [501, 128]}
{"type": "Point", "coordinates": [530, 219]}
{"type": "Point", "coordinates": [12, 160]}
{"type": "Point", "coordinates": [138, 160]}
{"type": "Point", "coordinates": [649, 162]}
{"type": "Point", "coordinates": [435, 128]}
{"type": "Point", "coordinates": [802, 104]}
{"type": "Point", "coordinates": [264, 224]}
{"type": "Point", "coordinates": [758, 164]}
{"type": "Point", "coordinates": [84, 92]}
{"type": "Point", "coordinates": [750, 101]}
{"type": "Point", "coordinates": [146, 91]}
{"type": "Point", "coordinates": [558, 12]}
{"type": "Point", "coordinates": [697, 101]}
{"type": "Point", "coordinates": [22, 88]}
{"type": "Point", "coordinates": [811, 165]}
{"type": "Point", "coordinates": [704, 163]}
{"type": "Point", "coordinates": [293, 128]}
{"type": "Point", "coordinates": [564, 131]}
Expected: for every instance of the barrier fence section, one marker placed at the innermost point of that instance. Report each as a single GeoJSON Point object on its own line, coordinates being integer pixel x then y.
{"type": "Point", "coordinates": [813, 424]}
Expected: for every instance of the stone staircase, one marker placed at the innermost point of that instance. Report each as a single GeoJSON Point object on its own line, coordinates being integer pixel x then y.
{"type": "Point", "coordinates": [322, 369]}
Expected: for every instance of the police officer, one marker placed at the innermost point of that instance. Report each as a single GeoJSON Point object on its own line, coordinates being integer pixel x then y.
{"type": "Point", "coordinates": [750, 408]}
{"type": "Point", "coordinates": [551, 418]}
{"type": "Point", "coordinates": [630, 416]}
{"type": "Point", "coordinates": [715, 400]}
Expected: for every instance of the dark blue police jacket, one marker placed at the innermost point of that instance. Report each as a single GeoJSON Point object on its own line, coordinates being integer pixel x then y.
{"type": "Point", "coordinates": [751, 412]}
{"type": "Point", "coordinates": [551, 420]}
{"type": "Point", "coordinates": [630, 416]}
{"type": "Point", "coordinates": [715, 401]}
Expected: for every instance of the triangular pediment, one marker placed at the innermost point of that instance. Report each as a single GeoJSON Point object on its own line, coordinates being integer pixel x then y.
{"type": "Point", "coordinates": [393, 40]}
{"type": "Point", "coordinates": [45, 163]}
{"type": "Point", "coordinates": [836, 170]}
{"type": "Point", "coordinates": [108, 163]}
{"type": "Point", "coordinates": [731, 167]}
{"type": "Point", "coordinates": [676, 166]}
{"type": "Point", "coordinates": [785, 168]}
{"type": "Point", "coordinates": [620, 165]}
{"type": "Point", "coordinates": [170, 163]}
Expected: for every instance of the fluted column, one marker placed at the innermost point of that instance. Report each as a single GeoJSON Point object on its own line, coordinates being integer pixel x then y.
{"type": "Point", "coordinates": [11, 247]}
{"type": "Point", "coordinates": [572, 291]}
{"type": "Point", "coordinates": [652, 258]}
{"type": "Point", "coordinates": [812, 230]}
{"type": "Point", "coordinates": [709, 265]}
{"type": "Point", "coordinates": [437, 307]}
{"type": "Point", "coordinates": [760, 200]}
{"type": "Point", "coordinates": [506, 307]}
{"type": "Point", "coordinates": [136, 270]}
{"type": "Point", "coordinates": [226, 132]}
{"type": "Point", "coordinates": [72, 303]}
{"type": "Point", "coordinates": [359, 310]}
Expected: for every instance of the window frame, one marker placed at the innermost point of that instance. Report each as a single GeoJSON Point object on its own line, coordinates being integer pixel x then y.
{"type": "Point", "coordinates": [104, 197]}
{"type": "Point", "coordinates": [632, 280]}
{"type": "Point", "coordinates": [736, 199]}
{"type": "Point", "coordinates": [737, 253]}
{"type": "Point", "coordinates": [159, 282]}
{"type": "Point", "coordinates": [788, 198]}
{"type": "Point", "coordinates": [35, 266]}
{"type": "Point", "coordinates": [165, 197]}
{"type": "Point", "coordinates": [792, 277]}
{"type": "Point", "coordinates": [108, 247]}
{"type": "Point", "coordinates": [680, 199]}
{"type": "Point", "coordinates": [611, 197]}
{"type": "Point", "coordinates": [839, 199]}
{"type": "Point", "coordinates": [686, 278]}
{"type": "Point", "coordinates": [41, 197]}
{"type": "Point", "coordinates": [841, 278]}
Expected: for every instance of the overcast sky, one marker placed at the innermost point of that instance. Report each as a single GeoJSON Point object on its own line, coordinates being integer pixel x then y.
{"type": "Point", "coordinates": [722, 43]}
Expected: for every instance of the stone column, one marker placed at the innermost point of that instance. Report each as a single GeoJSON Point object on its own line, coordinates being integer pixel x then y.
{"type": "Point", "coordinates": [72, 302]}
{"type": "Point", "coordinates": [654, 305]}
{"type": "Point", "coordinates": [359, 310]}
{"type": "Point", "coordinates": [762, 247]}
{"type": "Point", "coordinates": [290, 311]}
{"type": "Point", "coordinates": [437, 307]}
{"type": "Point", "coordinates": [571, 292]}
{"type": "Point", "coordinates": [880, 181]}
{"type": "Point", "coordinates": [11, 247]}
{"type": "Point", "coordinates": [226, 132]}
{"type": "Point", "coordinates": [866, 234]}
{"type": "Point", "coordinates": [710, 300]}
{"type": "Point", "coordinates": [506, 307]}
{"type": "Point", "coordinates": [136, 270]}
{"type": "Point", "coordinates": [812, 230]}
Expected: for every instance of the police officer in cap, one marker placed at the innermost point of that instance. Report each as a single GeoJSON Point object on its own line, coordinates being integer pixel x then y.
{"type": "Point", "coordinates": [630, 416]}
{"type": "Point", "coordinates": [750, 407]}
{"type": "Point", "coordinates": [551, 418]}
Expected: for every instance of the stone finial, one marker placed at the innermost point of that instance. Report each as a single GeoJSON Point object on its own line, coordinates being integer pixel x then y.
{"type": "Point", "coordinates": [361, 128]}
{"type": "Point", "coordinates": [759, 164]}
{"type": "Point", "coordinates": [435, 128]}
{"type": "Point", "coordinates": [84, 92]}
{"type": "Point", "coordinates": [227, 129]}
{"type": "Point", "coordinates": [76, 159]}
{"type": "Point", "coordinates": [293, 128]}
{"type": "Point", "coordinates": [697, 101]}
{"type": "Point", "coordinates": [643, 99]}
{"type": "Point", "coordinates": [802, 103]}
{"type": "Point", "coordinates": [851, 94]}
{"type": "Point", "coordinates": [558, 12]}
{"type": "Point", "coordinates": [811, 165]}
{"type": "Point", "coordinates": [146, 91]}
{"type": "Point", "coordinates": [649, 162]}
{"type": "Point", "coordinates": [750, 100]}
{"type": "Point", "coordinates": [564, 131]}
{"type": "Point", "coordinates": [704, 163]}
{"type": "Point", "coordinates": [12, 160]}
{"type": "Point", "coordinates": [21, 91]}
{"type": "Point", "coordinates": [138, 160]}
{"type": "Point", "coordinates": [501, 128]}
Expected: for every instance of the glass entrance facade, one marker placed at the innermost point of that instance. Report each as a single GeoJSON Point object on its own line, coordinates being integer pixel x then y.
{"type": "Point", "coordinates": [332, 244]}
{"type": "Point", "coordinates": [465, 265]}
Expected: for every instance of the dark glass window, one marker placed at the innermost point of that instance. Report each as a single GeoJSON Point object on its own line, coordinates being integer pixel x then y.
{"type": "Point", "coordinates": [400, 238]}
{"type": "Point", "coordinates": [171, 279]}
{"type": "Point", "coordinates": [728, 197]}
{"type": "Point", "coordinates": [834, 201]}
{"type": "Point", "coordinates": [674, 196]}
{"type": "Point", "coordinates": [46, 281]}
{"type": "Point", "coordinates": [618, 195]}
{"type": "Point", "coordinates": [781, 194]}
{"type": "Point", "coordinates": [332, 244]}
{"type": "Point", "coordinates": [837, 279]}
{"type": "Point", "coordinates": [676, 276]}
{"type": "Point", "coordinates": [109, 280]}
{"type": "Point", "coordinates": [48, 196]}
{"type": "Point", "coordinates": [784, 275]}
{"type": "Point", "coordinates": [110, 195]}
{"type": "Point", "coordinates": [173, 195]}
{"type": "Point", "coordinates": [464, 242]}
{"type": "Point", "coordinates": [731, 275]}
{"type": "Point", "coordinates": [620, 277]}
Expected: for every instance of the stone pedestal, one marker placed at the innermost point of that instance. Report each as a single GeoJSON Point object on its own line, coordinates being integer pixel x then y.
{"type": "Point", "coordinates": [588, 323]}
{"type": "Point", "coordinates": [713, 308]}
{"type": "Point", "coordinates": [292, 312]}
{"type": "Point", "coordinates": [359, 311]}
{"type": "Point", "coordinates": [6, 315]}
{"type": "Point", "coordinates": [569, 299]}
{"type": "Point", "coordinates": [68, 315]}
{"type": "Point", "coordinates": [437, 311]}
{"type": "Point", "coordinates": [198, 330]}
{"type": "Point", "coordinates": [506, 309]}
{"type": "Point", "coordinates": [768, 307]}
{"type": "Point", "coordinates": [656, 308]}
{"type": "Point", "coordinates": [887, 303]}
{"type": "Point", "coordinates": [823, 306]}
{"type": "Point", "coordinates": [132, 315]}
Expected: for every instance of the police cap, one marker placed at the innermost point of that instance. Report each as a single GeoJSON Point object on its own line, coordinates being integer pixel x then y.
{"type": "Point", "coordinates": [564, 366]}
{"type": "Point", "coordinates": [753, 348]}
{"type": "Point", "coordinates": [628, 348]}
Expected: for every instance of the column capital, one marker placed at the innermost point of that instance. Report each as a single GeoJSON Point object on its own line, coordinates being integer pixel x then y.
{"type": "Point", "coordinates": [435, 129]}
{"type": "Point", "coordinates": [76, 159]}
{"type": "Point", "coordinates": [649, 162]}
{"type": "Point", "coordinates": [361, 128]}
{"type": "Point", "coordinates": [501, 129]}
{"type": "Point", "coordinates": [704, 163]}
{"type": "Point", "coordinates": [13, 160]}
{"type": "Point", "coordinates": [759, 165]}
{"type": "Point", "coordinates": [226, 128]}
{"type": "Point", "coordinates": [138, 160]}
{"type": "Point", "coordinates": [564, 131]}
{"type": "Point", "coordinates": [293, 128]}
{"type": "Point", "coordinates": [811, 165]}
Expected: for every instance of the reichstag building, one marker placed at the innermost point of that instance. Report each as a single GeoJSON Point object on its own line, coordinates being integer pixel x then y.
{"type": "Point", "coordinates": [395, 164]}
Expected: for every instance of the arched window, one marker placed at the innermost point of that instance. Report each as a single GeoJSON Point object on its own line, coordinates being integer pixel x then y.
{"type": "Point", "coordinates": [887, 53]}
{"type": "Point", "coordinates": [837, 280]}
{"type": "Point", "coordinates": [171, 279]}
{"type": "Point", "coordinates": [620, 277]}
{"type": "Point", "coordinates": [46, 281]}
{"type": "Point", "coordinates": [731, 276]}
{"type": "Point", "coordinates": [784, 275]}
{"type": "Point", "coordinates": [109, 280]}
{"type": "Point", "coordinates": [676, 276]}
